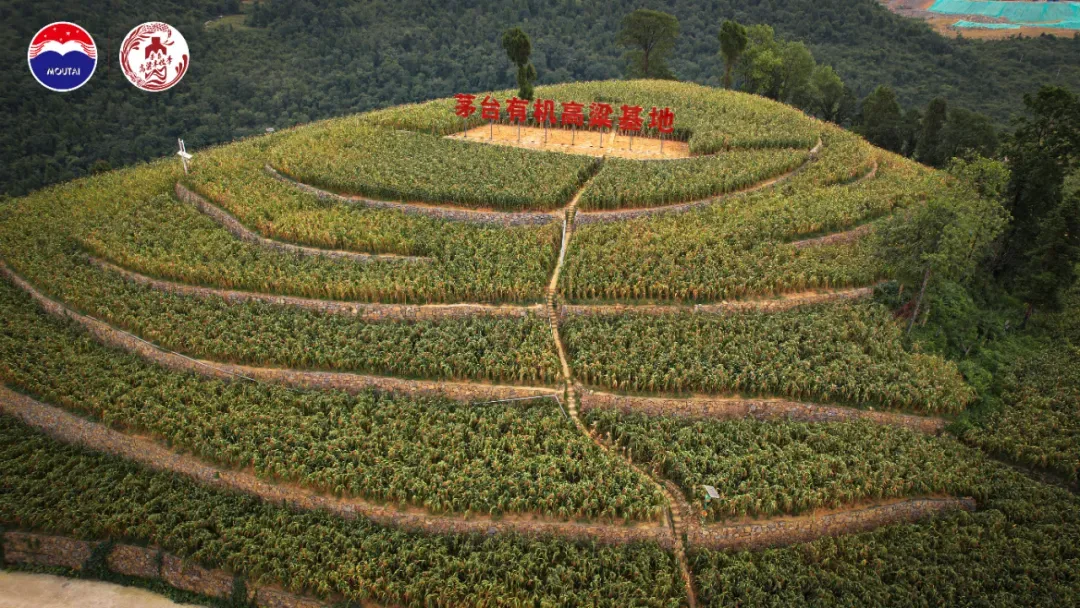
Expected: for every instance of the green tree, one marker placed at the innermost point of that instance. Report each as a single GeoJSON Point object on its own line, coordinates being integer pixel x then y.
{"type": "Point", "coordinates": [100, 166]}
{"type": "Point", "coordinates": [650, 36]}
{"type": "Point", "coordinates": [829, 93]}
{"type": "Point", "coordinates": [761, 62]}
{"type": "Point", "coordinates": [928, 149]}
{"type": "Point", "coordinates": [910, 131]}
{"type": "Point", "coordinates": [796, 67]}
{"type": "Point", "coordinates": [518, 48]}
{"type": "Point", "coordinates": [966, 133]}
{"type": "Point", "coordinates": [733, 42]}
{"type": "Point", "coordinates": [777, 69]}
{"type": "Point", "coordinates": [881, 121]}
{"type": "Point", "coordinates": [944, 240]}
{"type": "Point", "coordinates": [1038, 258]}
{"type": "Point", "coordinates": [1052, 260]}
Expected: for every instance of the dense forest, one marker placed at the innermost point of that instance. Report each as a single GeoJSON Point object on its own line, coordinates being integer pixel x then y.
{"type": "Point", "coordinates": [280, 63]}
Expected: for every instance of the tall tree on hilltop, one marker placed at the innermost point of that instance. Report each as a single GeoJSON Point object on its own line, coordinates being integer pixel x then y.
{"type": "Point", "coordinates": [881, 120]}
{"type": "Point", "coordinates": [777, 69]}
{"type": "Point", "coordinates": [518, 49]}
{"type": "Point", "coordinates": [1039, 255]}
{"type": "Point", "coordinates": [910, 131]}
{"type": "Point", "coordinates": [829, 94]}
{"type": "Point", "coordinates": [650, 36]}
{"type": "Point", "coordinates": [928, 149]}
{"type": "Point", "coordinates": [732, 44]}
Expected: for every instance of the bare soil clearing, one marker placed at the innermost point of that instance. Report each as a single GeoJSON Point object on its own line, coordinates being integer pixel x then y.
{"type": "Point", "coordinates": [581, 142]}
{"type": "Point", "coordinates": [26, 590]}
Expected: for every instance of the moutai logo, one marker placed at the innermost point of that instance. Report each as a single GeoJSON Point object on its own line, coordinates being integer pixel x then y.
{"type": "Point", "coordinates": [62, 56]}
{"type": "Point", "coordinates": [154, 56]}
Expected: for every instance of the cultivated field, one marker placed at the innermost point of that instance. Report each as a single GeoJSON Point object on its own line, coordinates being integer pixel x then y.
{"type": "Point", "coordinates": [379, 359]}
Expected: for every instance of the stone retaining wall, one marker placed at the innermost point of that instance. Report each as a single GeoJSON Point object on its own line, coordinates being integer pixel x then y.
{"type": "Point", "coordinates": [774, 305]}
{"type": "Point", "coordinates": [241, 232]}
{"type": "Point", "coordinates": [502, 218]}
{"type": "Point", "coordinates": [371, 312]}
{"type": "Point", "coordinates": [779, 532]}
{"type": "Point", "coordinates": [761, 409]}
{"type": "Point", "coordinates": [38, 550]}
{"type": "Point", "coordinates": [130, 560]}
{"type": "Point", "coordinates": [42, 550]}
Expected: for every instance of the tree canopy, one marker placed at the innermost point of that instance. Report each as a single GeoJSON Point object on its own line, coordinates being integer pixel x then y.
{"type": "Point", "coordinates": [650, 36]}
{"type": "Point", "coordinates": [518, 49]}
{"type": "Point", "coordinates": [733, 42]}
{"type": "Point", "coordinates": [945, 239]}
{"type": "Point", "coordinates": [1039, 256]}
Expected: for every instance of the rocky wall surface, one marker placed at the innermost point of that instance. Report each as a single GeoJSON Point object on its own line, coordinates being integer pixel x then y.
{"type": "Point", "coordinates": [130, 560]}
{"type": "Point", "coordinates": [41, 550]}
{"type": "Point", "coordinates": [28, 548]}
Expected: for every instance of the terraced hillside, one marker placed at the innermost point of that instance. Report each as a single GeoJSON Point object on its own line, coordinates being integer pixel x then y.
{"type": "Point", "coordinates": [364, 360]}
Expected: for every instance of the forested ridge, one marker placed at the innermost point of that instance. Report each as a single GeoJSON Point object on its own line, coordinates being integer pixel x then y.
{"type": "Point", "coordinates": [314, 59]}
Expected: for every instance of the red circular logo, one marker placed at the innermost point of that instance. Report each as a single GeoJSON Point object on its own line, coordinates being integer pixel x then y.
{"type": "Point", "coordinates": [154, 56]}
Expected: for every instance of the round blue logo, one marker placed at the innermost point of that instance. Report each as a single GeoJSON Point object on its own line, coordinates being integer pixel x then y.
{"type": "Point", "coordinates": [62, 56]}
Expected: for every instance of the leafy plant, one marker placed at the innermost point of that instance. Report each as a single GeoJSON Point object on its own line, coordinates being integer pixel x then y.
{"type": "Point", "coordinates": [844, 353]}
{"type": "Point", "coordinates": [737, 247]}
{"type": "Point", "coordinates": [1016, 549]}
{"type": "Point", "coordinates": [625, 183]}
{"type": "Point", "coordinates": [788, 468]}
{"type": "Point", "coordinates": [56, 488]}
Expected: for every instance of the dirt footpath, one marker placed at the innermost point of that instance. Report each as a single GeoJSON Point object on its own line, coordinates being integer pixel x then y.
{"type": "Point", "coordinates": [25, 590]}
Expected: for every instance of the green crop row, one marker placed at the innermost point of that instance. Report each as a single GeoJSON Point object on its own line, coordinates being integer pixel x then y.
{"type": "Point", "coordinates": [516, 350]}
{"type": "Point", "coordinates": [1020, 548]}
{"type": "Point", "coordinates": [1038, 421]}
{"type": "Point", "coordinates": [788, 468]}
{"type": "Point", "coordinates": [130, 218]}
{"type": "Point", "coordinates": [348, 156]}
{"type": "Point", "coordinates": [848, 353]}
{"type": "Point", "coordinates": [736, 248]}
{"type": "Point", "coordinates": [56, 488]}
{"type": "Point", "coordinates": [441, 455]}
{"type": "Point", "coordinates": [844, 157]}
{"type": "Point", "coordinates": [704, 270]}
{"type": "Point", "coordinates": [624, 183]}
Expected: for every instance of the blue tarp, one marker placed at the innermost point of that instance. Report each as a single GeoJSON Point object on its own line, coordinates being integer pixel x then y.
{"type": "Point", "coordinates": [987, 26]}
{"type": "Point", "coordinates": [1043, 14]}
